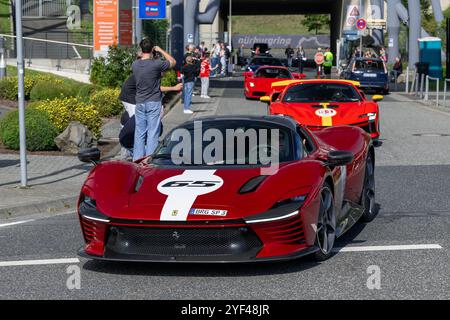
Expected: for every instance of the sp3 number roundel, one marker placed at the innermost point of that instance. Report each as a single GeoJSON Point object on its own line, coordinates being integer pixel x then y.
{"type": "Point", "coordinates": [324, 113]}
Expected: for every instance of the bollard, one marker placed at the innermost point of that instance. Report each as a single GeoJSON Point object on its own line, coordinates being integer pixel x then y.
{"type": "Point", "coordinates": [407, 80]}
{"type": "Point", "coordinates": [2, 59]}
{"type": "Point", "coordinates": [445, 92]}
{"type": "Point", "coordinates": [437, 92]}
{"type": "Point", "coordinates": [2, 66]}
{"type": "Point", "coordinates": [427, 85]}
{"type": "Point", "coordinates": [422, 76]}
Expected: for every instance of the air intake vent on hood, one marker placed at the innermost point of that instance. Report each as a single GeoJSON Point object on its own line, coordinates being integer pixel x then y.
{"type": "Point", "coordinates": [252, 184]}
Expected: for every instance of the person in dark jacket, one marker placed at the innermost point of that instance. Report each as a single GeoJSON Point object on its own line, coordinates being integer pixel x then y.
{"type": "Point", "coordinates": [190, 72]}
{"type": "Point", "coordinates": [128, 121]}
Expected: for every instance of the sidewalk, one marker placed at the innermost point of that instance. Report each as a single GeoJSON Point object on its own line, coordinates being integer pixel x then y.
{"type": "Point", "coordinates": [55, 181]}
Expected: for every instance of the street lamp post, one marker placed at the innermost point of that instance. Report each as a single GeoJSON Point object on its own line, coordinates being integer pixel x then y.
{"type": "Point", "coordinates": [20, 94]}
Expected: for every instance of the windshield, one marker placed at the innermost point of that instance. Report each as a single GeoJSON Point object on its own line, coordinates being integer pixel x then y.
{"type": "Point", "coordinates": [266, 62]}
{"type": "Point", "coordinates": [262, 46]}
{"type": "Point", "coordinates": [369, 65]}
{"type": "Point", "coordinates": [273, 73]}
{"type": "Point", "coordinates": [225, 143]}
{"type": "Point", "coordinates": [321, 92]}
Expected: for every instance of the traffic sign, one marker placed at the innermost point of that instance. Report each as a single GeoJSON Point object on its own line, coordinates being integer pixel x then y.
{"type": "Point", "coordinates": [319, 58]}
{"type": "Point", "coordinates": [152, 9]}
{"type": "Point", "coordinates": [361, 24]}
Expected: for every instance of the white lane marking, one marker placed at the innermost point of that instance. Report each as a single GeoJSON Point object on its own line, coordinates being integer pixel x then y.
{"type": "Point", "coordinates": [14, 223]}
{"type": "Point", "coordinates": [388, 248]}
{"type": "Point", "coordinates": [38, 262]}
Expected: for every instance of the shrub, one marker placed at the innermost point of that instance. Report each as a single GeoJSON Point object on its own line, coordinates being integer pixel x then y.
{"type": "Point", "coordinates": [113, 70]}
{"type": "Point", "coordinates": [85, 91]}
{"type": "Point", "coordinates": [9, 87]}
{"type": "Point", "coordinates": [107, 102]}
{"type": "Point", "coordinates": [169, 79]}
{"type": "Point", "coordinates": [40, 131]}
{"type": "Point", "coordinates": [44, 90]}
{"type": "Point", "coordinates": [62, 111]}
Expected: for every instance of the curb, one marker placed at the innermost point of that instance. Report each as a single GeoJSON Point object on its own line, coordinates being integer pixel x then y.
{"type": "Point", "coordinates": [172, 103]}
{"type": "Point", "coordinates": [52, 207]}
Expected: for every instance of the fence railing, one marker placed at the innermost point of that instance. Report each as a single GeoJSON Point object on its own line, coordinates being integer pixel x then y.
{"type": "Point", "coordinates": [52, 45]}
{"type": "Point", "coordinates": [427, 87]}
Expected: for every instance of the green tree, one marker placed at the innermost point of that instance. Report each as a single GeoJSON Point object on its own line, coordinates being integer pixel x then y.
{"type": "Point", "coordinates": [316, 22]}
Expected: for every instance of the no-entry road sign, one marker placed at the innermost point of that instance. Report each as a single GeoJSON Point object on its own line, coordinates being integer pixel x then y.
{"type": "Point", "coordinates": [361, 24]}
{"type": "Point", "coordinates": [319, 58]}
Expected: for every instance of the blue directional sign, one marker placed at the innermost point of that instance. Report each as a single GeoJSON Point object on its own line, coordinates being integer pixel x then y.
{"type": "Point", "coordinates": [152, 9]}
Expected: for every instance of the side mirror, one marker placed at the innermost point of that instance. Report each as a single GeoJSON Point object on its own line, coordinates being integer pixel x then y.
{"type": "Point", "coordinates": [91, 155]}
{"type": "Point", "coordinates": [377, 97]}
{"type": "Point", "coordinates": [248, 74]}
{"type": "Point", "coordinates": [339, 158]}
{"type": "Point", "coordinates": [265, 99]}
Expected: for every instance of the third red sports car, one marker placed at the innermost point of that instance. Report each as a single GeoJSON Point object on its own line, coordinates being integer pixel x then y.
{"type": "Point", "coordinates": [322, 103]}
{"type": "Point", "coordinates": [259, 83]}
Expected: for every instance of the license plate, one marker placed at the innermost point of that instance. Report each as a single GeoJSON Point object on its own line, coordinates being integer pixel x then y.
{"type": "Point", "coordinates": [370, 75]}
{"type": "Point", "coordinates": [208, 212]}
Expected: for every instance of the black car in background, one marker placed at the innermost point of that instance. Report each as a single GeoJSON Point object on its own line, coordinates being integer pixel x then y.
{"type": "Point", "coordinates": [259, 61]}
{"type": "Point", "coordinates": [264, 49]}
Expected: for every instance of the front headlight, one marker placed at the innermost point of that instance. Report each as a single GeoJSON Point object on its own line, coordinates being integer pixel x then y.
{"type": "Point", "coordinates": [251, 84]}
{"type": "Point", "coordinates": [372, 116]}
{"type": "Point", "coordinates": [88, 210]}
{"type": "Point", "coordinates": [281, 210]}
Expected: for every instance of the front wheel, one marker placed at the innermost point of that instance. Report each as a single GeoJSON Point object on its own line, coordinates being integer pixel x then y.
{"type": "Point", "coordinates": [368, 195]}
{"type": "Point", "coordinates": [326, 225]}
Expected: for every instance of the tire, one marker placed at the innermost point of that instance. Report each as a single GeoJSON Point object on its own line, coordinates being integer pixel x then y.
{"type": "Point", "coordinates": [326, 225]}
{"type": "Point", "coordinates": [368, 194]}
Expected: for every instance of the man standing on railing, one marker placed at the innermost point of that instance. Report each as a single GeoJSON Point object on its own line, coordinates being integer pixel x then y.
{"type": "Point", "coordinates": [148, 72]}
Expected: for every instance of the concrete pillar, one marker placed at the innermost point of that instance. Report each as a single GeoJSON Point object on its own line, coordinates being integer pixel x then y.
{"type": "Point", "coordinates": [335, 26]}
{"type": "Point", "coordinates": [393, 29]}
{"type": "Point", "coordinates": [437, 10]}
{"type": "Point", "coordinates": [176, 33]}
{"type": "Point", "coordinates": [377, 13]}
{"type": "Point", "coordinates": [414, 31]}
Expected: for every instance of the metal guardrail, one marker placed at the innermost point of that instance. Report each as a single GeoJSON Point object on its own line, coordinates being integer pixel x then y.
{"type": "Point", "coordinates": [427, 87]}
{"type": "Point", "coordinates": [445, 91]}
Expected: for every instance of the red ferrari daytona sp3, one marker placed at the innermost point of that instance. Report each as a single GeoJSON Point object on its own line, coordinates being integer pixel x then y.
{"type": "Point", "coordinates": [323, 103]}
{"type": "Point", "coordinates": [259, 83]}
{"type": "Point", "coordinates": [156, 209]}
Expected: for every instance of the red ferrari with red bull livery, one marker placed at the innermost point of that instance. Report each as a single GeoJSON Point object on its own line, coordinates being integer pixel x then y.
{"type": "Point", "coordinates": [180, 205]}
{"type": "Point", "coordinates": [259, 83]}
{"type": "Point", "coordinates": [322, 103]}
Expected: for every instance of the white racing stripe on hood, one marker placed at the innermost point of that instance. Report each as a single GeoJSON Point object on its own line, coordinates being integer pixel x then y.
{"type": "Point", "coordinates": [183, 190]}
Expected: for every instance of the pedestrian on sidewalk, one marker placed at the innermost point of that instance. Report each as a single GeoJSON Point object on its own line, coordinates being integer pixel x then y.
{"type": "Point", "coordinates": [223, 60]}
{"type": "Point", "coordinates": [289, 52]}
{"type": "Point", "coordinates": [148, 72]}
{"type": "Point", "coordinates": [190, 71]}
{"type": "Point", "coordinates": [327, 63]}
{"type": "Point", "coordinates": [241, 55]}
{"type": "Point", "coordinates": [128, 122]}
{"type": "Point", "coordinates": [205, 71]}
{"type": "Point", "coordinates": [301, 58]}
{"type": "Point", "coordinates": [215, 57]}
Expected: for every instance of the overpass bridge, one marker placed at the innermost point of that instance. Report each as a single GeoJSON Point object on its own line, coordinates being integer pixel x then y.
{"type": "Point", "coordinates": [188, 16]}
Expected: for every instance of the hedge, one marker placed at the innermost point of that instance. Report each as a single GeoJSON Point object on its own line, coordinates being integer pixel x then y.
{"type": "Point", "coordinates": [40, 131]}
{"type": "Point", "coordinates": [107, 102]}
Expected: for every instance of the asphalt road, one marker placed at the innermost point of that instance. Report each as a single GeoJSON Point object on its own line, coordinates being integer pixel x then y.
{"type": "Point", "coordinates": [412, 172]}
